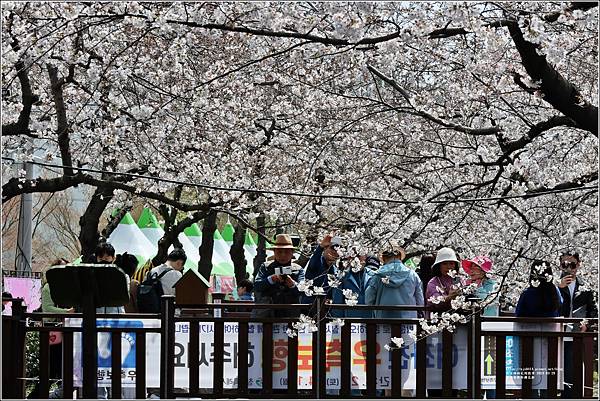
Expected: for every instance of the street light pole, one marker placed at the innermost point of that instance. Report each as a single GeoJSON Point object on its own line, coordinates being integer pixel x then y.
{"type": "Point", "coordinates": [23, 253]}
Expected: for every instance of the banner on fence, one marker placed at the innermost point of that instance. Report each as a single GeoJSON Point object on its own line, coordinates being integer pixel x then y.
{"type": "Point", "coordinates": [30, 289]}
{"type": "Point", "coordinates": [514, 371]}
{"type": "Point", "coordinates": [280, 356]}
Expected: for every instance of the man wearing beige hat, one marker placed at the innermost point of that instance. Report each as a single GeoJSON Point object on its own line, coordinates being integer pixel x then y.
{"type": "Point", "coordinates": [276, 280]}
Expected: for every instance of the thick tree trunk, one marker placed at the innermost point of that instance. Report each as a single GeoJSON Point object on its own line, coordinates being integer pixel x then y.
{"type": "Point", "coordinates": [163, 247]}
{"type": "Point", "coordinates": [560, 93]}
{"type": "Point", "coordinates": [261, 252]}
{"type": "Point", "coordinates": [170, 236]}
{"type": "Point", "coordinates": [208, 241]}
{"type": "Point", "coordinates": [112, 225]}
{"type": "Point", "coordinates": [237, 251]}
{"type": "Point", "coordinates": [172, 231]}
{"type": "Point", "coordinates": [88, 236]}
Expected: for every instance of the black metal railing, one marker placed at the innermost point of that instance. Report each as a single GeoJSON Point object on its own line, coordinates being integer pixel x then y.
{"type": "Point", "coordinates": [16, 326]}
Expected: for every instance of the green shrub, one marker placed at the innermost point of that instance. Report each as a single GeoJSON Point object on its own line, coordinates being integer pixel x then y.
{"type": "Point", "coordinates": [32, 359]}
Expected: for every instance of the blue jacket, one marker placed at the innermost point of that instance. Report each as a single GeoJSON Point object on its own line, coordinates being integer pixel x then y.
{"type": "Point", "coordinates": [317, 270]}
{"type": "Point", "coordinates": [403, 288]}
{"type": "Point", "coordinates": [482, 292]}
{"type": "Point", "coordinates": [358, 283]}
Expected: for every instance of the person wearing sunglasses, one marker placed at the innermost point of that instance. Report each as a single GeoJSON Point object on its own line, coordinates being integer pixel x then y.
{"type": "Point", "coordinates": [576, 303]}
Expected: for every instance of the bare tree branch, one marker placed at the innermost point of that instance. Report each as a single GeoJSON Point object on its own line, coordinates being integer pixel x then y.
{"type": "Point", "coordinates": [62, 129]}
{"type": "Point", "coordinates": [428, 116]}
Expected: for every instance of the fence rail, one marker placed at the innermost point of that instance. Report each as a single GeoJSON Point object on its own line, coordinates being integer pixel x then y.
{"type": "Point", "coordinates": [19, 323]}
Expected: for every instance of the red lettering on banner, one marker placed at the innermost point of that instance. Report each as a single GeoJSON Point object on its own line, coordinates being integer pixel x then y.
{"type": "Point", "coordinates": [280, 353]}
{"type": "Point", "coordinates": [305, 357]}
{"type": "Point", "coordinates": [333, 353]}
{"type": "Point", "coordinates": [361, 350]}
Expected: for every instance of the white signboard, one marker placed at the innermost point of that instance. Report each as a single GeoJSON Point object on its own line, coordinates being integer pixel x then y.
{"type": "Point", "coordinates": [280, 359]}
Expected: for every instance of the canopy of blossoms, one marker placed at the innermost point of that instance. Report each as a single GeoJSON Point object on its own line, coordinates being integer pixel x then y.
{"type": "Point", "coordinates": [471, 124]}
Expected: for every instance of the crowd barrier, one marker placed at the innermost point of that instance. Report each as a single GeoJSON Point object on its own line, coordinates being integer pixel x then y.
{"type": "Point", "coordinates": [212, 351]}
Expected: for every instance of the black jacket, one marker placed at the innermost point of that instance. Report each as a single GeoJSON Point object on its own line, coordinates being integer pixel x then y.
{"type": "Point", "coordinates": [276, 293]}
{"type": "Point", "coordinates": [583, 302]}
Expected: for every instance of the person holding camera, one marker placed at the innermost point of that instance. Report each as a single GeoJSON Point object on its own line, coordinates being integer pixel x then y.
{"type": "Point", "coordinates": [276, 281]}
{"type": "Point", "coordinates": [576, 303]}
{"type": "Point", "coordinates": [323, 262]}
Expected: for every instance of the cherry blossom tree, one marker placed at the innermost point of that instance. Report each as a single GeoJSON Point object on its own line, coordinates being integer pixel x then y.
{"type": "Point", "coordinates": [470, 124]}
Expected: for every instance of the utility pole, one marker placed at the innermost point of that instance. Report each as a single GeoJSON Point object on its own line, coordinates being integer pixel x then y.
{"type": "Point", "coordinates": [23, 253]}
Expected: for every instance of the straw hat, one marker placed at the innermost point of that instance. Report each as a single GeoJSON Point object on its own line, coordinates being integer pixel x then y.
{"type": "Point", "coordinates": [283, 241]}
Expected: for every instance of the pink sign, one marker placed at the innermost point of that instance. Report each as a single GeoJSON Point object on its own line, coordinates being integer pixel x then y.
{"type": "Point", "coordinates": [30, 289]}
{"type": "Point", "coordinates": [222, 284]}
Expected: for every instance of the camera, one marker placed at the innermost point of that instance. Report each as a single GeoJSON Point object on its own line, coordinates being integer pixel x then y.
{"type": "Point", "coordinates": [283, 270]}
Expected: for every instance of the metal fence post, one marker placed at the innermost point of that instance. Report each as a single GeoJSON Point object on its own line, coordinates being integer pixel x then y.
{"type": "Point", "coordinates": [476, 355]}
{"type": "Point", "coordinates": [16, 352]}
{"type": "Point", "coordinates": [89, 335]}
{"type": "Point", "coordinates": [316, 382]}
{"type": "Point", "coordinates": [167, 345]}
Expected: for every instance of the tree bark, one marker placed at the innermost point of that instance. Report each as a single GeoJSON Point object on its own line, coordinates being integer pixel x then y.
{"type": "Point", "coordinates": [208, 241]}
{"type": "Point", "coordinates": [557, 91]}
{"type": "Point", "coordinates": [261, 252]}
{"type": "Point", "coordinates": [89, 236]}
{"type": "Point", "coordinates": [112, 225]}
{"type": "Point", "coordinates": [237, 251]}
{"type": "Point", "coordinates": [172, 231]}
{"type": "Point", "coordinates": [62, 128]}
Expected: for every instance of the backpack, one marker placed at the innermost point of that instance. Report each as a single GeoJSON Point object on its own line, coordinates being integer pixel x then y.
{"type": "Point", "coordinates": [149, 292]}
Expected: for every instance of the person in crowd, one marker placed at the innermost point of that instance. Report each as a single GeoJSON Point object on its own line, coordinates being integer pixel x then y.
{"type": "Point", "coordinates": [576, 303]}
{"type": "Point", "coordinates": [323, 262]}
{"type": "Point", "coordinates": [244, 290]}
{"type": "Point", "coordinates": [142, 271]}
{"type": "Point", "coordinates": [394, 284]}
{"type": "Point", "coordinates": [5, 294]}
{"type": "Point", "coordinates": [541, 299]}
{"type": "Point", "coordinates": [55, 349]}
{"type": "Point", "coordinates": [478, 269]}
{"type": "Point", "coordinates": [128, 263]}
{"type": "Point", "coordinates": [356, 279]}
{"type": "Point", "coordinates": [276, 281]}
{"type": "Point", "coordinates": [444, 286]}
{"type": "Point", "coordinates": [424, 270]}
{"type": "Point", "coordinates": [105, 253]}
{"type": "Point", "coordinates": [173, 267]}
{"type": "Point", "coordinates": [371, 262]}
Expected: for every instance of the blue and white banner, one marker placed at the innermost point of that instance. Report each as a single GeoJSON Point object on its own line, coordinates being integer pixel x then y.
{"type": "Point", "coordinates": [333, 356]}
{"type": "Point", "coordinates": [515, 373]}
